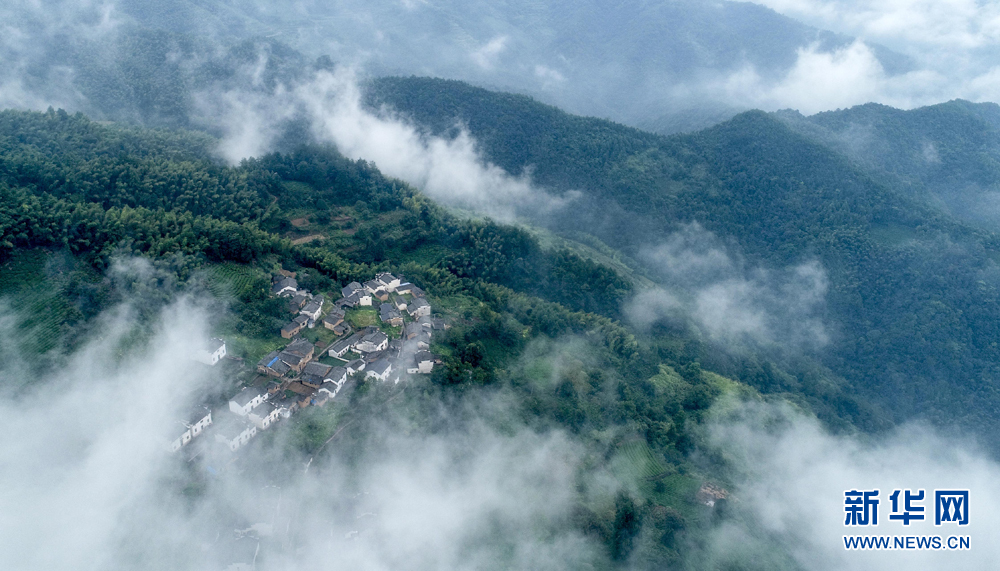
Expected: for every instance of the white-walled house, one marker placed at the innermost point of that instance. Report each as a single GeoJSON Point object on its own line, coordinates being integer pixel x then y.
{"type": "Point", "coordinates": [423, 363]}
{"type": "Point", "coordinates": [332, 387]}
{"type": "Point", "coordinates": [234, 432]}
{"type": "Point", "coordinates": [340, 348]}
{"type": "Point", "coordinates": [355, 366]}
{"type": "Point", "coordinates": [379, 370]}
{"type": "Point", "coordinates": [350, 289]}
{"type": "Point", "coordinates": [264, 415]}
{"type": "Point", "coordinates": [388, 281]}
{"type": "Point", "coordinates": [418, 307]}
{"type": "Point", "coordinates": [312, 310]}
{"type": "Point", "coordinates": [284, 286]}
{"type": "Point", "coordinates": [199, 419]}
{"type": "Point", "coordinates": [183, 437]}
{"type": "Point", "coordinates": [212, 352]}
{"type": "Point", "coordinates": [371, 342]}
{"type": "Point", "coordinates": [190, 428]}
{"type": "Point", "coordinates": [246, 400]}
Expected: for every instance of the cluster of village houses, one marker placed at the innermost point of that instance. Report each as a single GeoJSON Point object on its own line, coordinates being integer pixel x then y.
{"type": "Point", "coordinates": [299, 380]}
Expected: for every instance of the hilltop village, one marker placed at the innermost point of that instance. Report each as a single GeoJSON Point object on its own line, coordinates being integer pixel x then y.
{"type": "Point", "coordinates": [394, 346]}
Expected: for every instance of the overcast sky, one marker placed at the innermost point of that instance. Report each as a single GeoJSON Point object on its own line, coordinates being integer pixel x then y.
{"type": "Point", "coordinates": [953, 42]}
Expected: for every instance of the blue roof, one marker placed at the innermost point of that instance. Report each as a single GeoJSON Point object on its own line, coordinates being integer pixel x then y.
{"type": "Point", "coordinates": [273, 361]}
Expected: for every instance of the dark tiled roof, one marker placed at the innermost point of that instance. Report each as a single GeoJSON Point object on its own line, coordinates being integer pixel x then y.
{"type": "Point", "coordinates": [316, 368]}
{"type": "Point", "coordinates": [300, 347]}
{"type": "Point", "coordinates": [380, 366]}
{"type": "Point", "coordinates": [245, 396]}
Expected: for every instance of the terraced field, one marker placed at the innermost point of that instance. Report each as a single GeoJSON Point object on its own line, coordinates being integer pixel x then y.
{"type": "Point", "coordinates": [231, 280]}
{"type": "Point", "coordinates": [634, 462]}
{"type": "Point", "coordinates": [23, 270]}
{"type": "Point", "coordinates": [37, 302]}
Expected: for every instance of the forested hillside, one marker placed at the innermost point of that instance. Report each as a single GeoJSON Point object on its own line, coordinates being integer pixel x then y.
{"type": "Point", "coordinates": [541, 323]}
{"type": "Point", "coordinates": [913, 292]}
{"type": "Point", "coordinates": [946, 155]}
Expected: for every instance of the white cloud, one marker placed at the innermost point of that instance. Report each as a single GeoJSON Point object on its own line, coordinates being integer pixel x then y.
{"type": "Point", "coordinates": [449, 170]}
{"type": "Point", "coordinates": [486, 56]}
{"type": "Point", "coordinates": [86, 481]}
{"type": "Point", "coordinates": [908, 24]}
{"type": "Point", "coordinates": [251, 121]}
{"type": "Point", "coordinates": [791, 475]}
{"type": "Point", "coordinates": [952, 42]}
{"type": "Point", "coordinates": [549, 77]}
{"type": "Point", "coordinates": [728, 301]}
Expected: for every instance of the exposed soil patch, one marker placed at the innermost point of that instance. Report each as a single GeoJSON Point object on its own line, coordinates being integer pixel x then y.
{"type": "Point", "coordinates": [300, 222]}
{"type": "Point", "coordinates": [307, 239]}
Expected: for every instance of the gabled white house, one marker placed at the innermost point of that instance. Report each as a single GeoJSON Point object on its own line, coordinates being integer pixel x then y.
{"type": "Point", "coordinates": [263, 415]}
{"type": "Point", "coordinates": [350, 289]}
{"type": "Point", "coordinates": [388, 281]}
{"type": "Point", "coordinates": [234, 432]}
{"type": "Point", "coordinates": [418, 307]}
{"type": "Point", "coordinates": [340, 348]}
{"type": "Point", "coordinates": [212, 352]}
{"type": "Point", "coordinates": [423, 363]}
{"type": "Point", "coordinates": [371, 342]}
{"type": "Point", "coordinates": [312, 310]}
{"type": "Point", "coordinates": [284, 286]}
{"type": "Point", "coordinates": [196, 422]}
{"type": "Point", "coordinates": [331, 388]}
{"type": "Point", "coordinates": [379, 370]}
{"type": "Point", "coordinates": [246, 400]}
{"type": "Point", "coordinates": [199, 419]}
{"type": "Point", "coordinates": [183, 437]}
{"type": "Point", "coordinates": [355, 366]}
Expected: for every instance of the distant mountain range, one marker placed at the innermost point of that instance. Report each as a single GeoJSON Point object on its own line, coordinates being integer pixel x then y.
{"type": "Point", "coordinates": [947, 155]}
{"type": "Point", "coordinates": [642, 63]}
{"type": "Point", "coordinates": [894, 205]}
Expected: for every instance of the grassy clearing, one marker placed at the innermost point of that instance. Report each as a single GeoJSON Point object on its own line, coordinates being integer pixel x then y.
{"type": "Point", "coordinates": [318, 334]}
{"type": "Point", "coordinates": [457, 305]}
{"type": "Point", "coordinates": [427, 255]}
{"type": "Point", "coordinates": [250, 348]}
{"type": "Point", "coordinates": [360, 317]}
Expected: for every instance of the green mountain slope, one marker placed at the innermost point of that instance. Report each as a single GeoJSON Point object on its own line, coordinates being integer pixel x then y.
{"type": "Point", "coordinates": [947, 155]}
{"type": "Point", "coordinates": [912, 301]}
{"type": "Point", "coordinates": [533, 325]}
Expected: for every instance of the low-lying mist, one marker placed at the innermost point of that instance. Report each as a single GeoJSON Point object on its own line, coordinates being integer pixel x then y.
{"type": "Point", "coordinates": [789, 476]}
{"type": "Point", "coordinates": [87, 482]}
{"type": "Point", "coordinates": [728, 300]}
